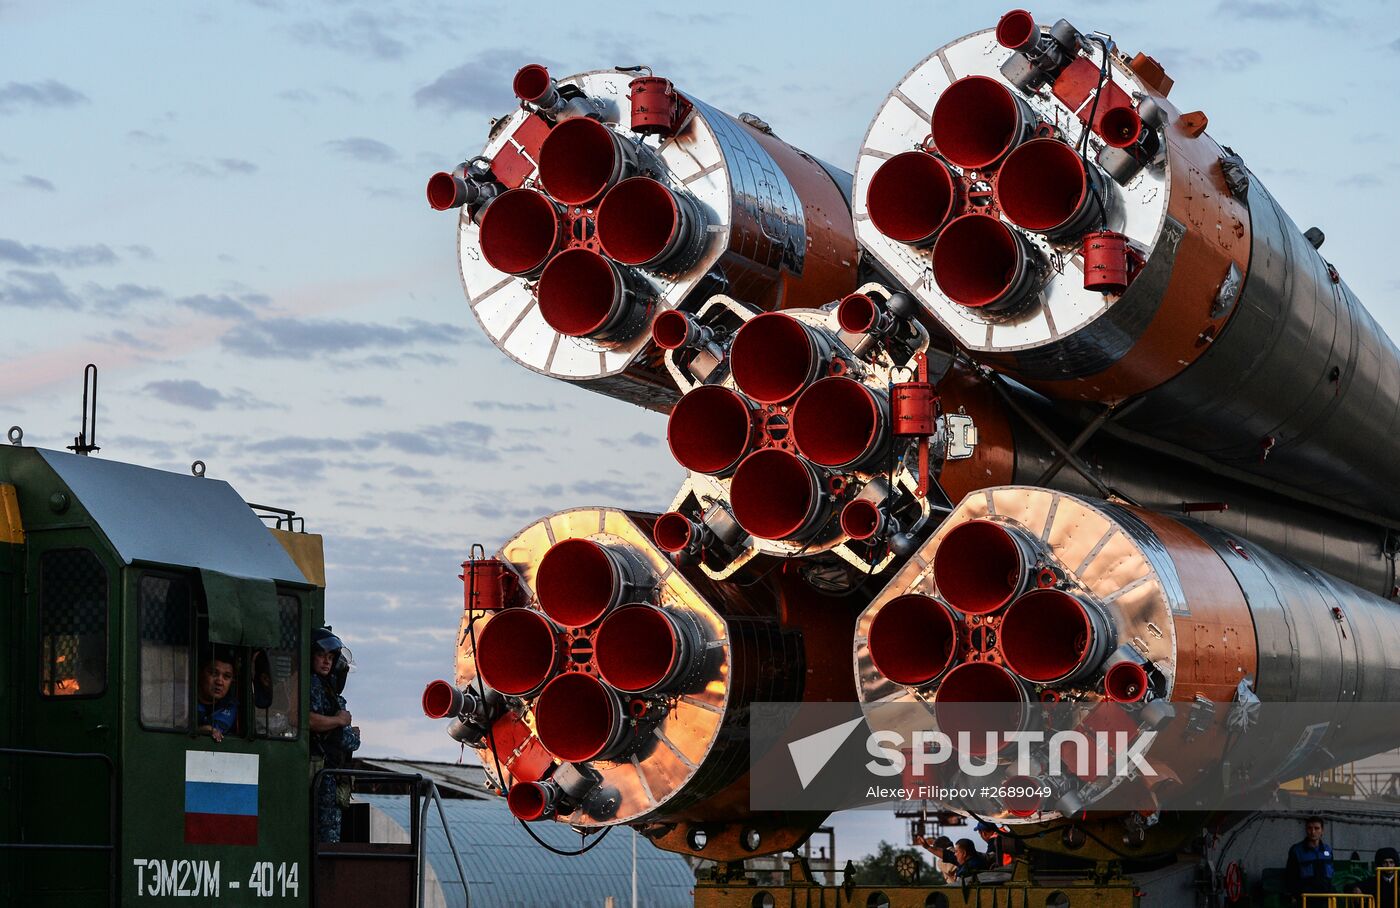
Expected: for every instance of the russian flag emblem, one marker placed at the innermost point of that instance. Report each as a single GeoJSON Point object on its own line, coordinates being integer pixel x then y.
{"type": "Point", "coordinates": [221, 798]}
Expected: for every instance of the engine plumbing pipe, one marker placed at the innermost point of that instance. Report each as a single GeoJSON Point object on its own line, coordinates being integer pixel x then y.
{"type": "Point", "coordinates": [520, 230]}
{"type": "Point", "coordinates": [774, 356]}
{"type": "Point", "coordinates": [581, 159]}
{"type": "Point", "coordinates": [642, 649]}
{"type": "Point", "coordinates": [710, 430]}
{"type": "Point", "coordinates": [840, 423]}
{"type": "Point", "coordinates": [1049, 636]}
{"type": "Point", "coordinates": [980, 263]}
{"type": "Point", "coordinates": [643, 222]}
{"type": "Point", "coordinates": [583, 294]}
{"type": "Point", "coordinates": [911, 197]}
{"type": "Point", "coordinates": [517, 651]}
{"type": "Point", "coordinates": [981, 566]}
{"type": "Point", "coordinates": [977, 120]}
{"type": "Point", "coordinates": [913, 639]}
{"type": "Point", "coordinates": [778, 495]}
{"type": "Point", "coordinates": [1045, 186]}
{"type": "Point", "coordinates": [579, 581]}
{"type": "Point", "coordinates": [578, 718]}
{"type": "Point", "coordinates": [677, 330]}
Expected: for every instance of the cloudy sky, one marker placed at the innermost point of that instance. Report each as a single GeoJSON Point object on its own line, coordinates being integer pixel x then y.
{"type": "Point", "coordinates": [222, 206]}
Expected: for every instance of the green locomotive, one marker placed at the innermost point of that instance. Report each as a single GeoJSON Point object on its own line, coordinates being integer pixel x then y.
{"type": "Point", "coordinates": [117, 583]}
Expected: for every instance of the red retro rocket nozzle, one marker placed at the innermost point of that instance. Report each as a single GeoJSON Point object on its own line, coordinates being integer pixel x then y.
{"type": "Point", "coordinates": [578, 718]}
{"type": "Point", "coordinates": [778, 495]}
{"type": "Point", "coordinates": [774, 356]}
{"type": "Point", "coordinates": [911, 197]}
{"type": "Point", "coordinates": [839, 422]}
{"type": "Point", "coordinates": [977, 120]}
{"type": "Point", "coordinates": [579, 581]}
{"type": "Point", "coordinates": [980, 566]}
{"type": "Point", "coordinates": [710, 430]}
{"type": "Point", "coordinates": [912, 639]}
{"type": "Point", "coordinates": [516, 651]}
{"type": "Point", "coordinates": [520, 230]}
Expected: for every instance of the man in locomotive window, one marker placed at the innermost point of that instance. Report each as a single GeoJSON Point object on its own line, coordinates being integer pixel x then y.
{"type": "Point", "coordinates": [333, 739]}
{"type": "Point", "coordinates": [1309, 867]}
{"type": "Point", "coordinates": [216, 707]}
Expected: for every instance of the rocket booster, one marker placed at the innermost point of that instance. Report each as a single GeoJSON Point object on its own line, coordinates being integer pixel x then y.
{"type": "Point", "coordinates": [1041, 197]}
{"type": "Point", "coordinates": [609, 197]}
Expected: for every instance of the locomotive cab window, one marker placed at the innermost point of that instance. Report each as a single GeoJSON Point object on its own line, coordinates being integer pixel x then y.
{"type": "Point", "coordinates": [277, 676]}
{"type": "Point", "coordinates": [164, 607]}
{"type": "Point", "coordinates": [72, 623]}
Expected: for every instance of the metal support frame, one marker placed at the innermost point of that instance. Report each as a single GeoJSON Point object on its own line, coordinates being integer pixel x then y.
{"type": "Point", "coordinates": [420, 790]}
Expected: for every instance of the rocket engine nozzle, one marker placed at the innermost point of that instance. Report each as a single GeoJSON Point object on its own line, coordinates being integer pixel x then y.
{"type": "Point", "coordinates": [840, 423]}
{"type": "Point", "coordinates": [677, 330]}
{"type": "Point", "coordinates": [516, 652]}
{"type": "Point", "coordinates": [643, 222]}
{"type": "Point", "coordinates": [578, 718]}
{"type": "Point", "coordinates": [980, 263]}
{"type": "Point", "coordinates": [520, 230]}
{"type": "Point", "coordinates": [977, 121]}
{"type": "Point", "coordinates": [1126, 682]}
{"type": "Point", "coordinates": [977, 698]}
{"type": "Point", "coordinates": [981, 566]}
{"type": "Point", "coordinates": [441, 699]}
{"type": "Point", "coordinates": [579, 581]}
{"type": "Point", "coordinates": [863, 519]}
{"type": "Point", "coordinates": [913, 639]}
{"type": "Point", "coordinates": [1049, 636]}
{"type": "Point", "coordinates": [778, 495]}
{"type": "Point", "coordinates": [1017, 30]}
{"type": "Point", "coordinates": [710, 430]}
{"type": "Point", "coordinates": [581, 159]}
{"type": "Point", "coordinates": [533, 85]}
{"type": "Point", "coordinates": [583, 294]}
{"type": "Point", "coordinates": [774, 356]}
{"type": "Point", "coordinates": [641, 648]}
{"type": "Point", "coordinates": [530, 800]}
{"type": "Point", "coordinates": [1045, 186]}
{"type": "Point", "coordinates": [911, 197]}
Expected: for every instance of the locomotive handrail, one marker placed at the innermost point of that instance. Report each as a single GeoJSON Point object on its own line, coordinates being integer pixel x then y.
{"type": "Point", "coordinates": [417, 825]}
{"type": "Point", "coordinates": [112, 827]}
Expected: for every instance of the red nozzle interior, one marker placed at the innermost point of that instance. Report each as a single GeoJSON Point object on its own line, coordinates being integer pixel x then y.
{"type": "Point", "coordinates": [575, 716]}
{"type": "Point", "coordinates": [577, 292]}
{"type": "Point", "coordinates": [439, 698]}
{"type": "Point", "coordinates": [836, 421]}
{"type": "Point", "coordinates": [531, 82]}
{"type": "Point", "coordinates": [975, 122]}
{"type": "Point", "coordinates": [1125, 682]}
{"type": "Point", "coordinates": [912, 639]}
{"type": "Point", "coordinates": [672, 532]}
{"type": "Point", "coordinates": [1042, 184]}
{"type": "Point", "coordinates": [519, 231]}
{"type": "Point", "coordinates": [910, 197]}
{"type": "Point", "coordinates": [772, 493]}
{"type": "Point", "coordinates": [527, 800]}
{"type": "Point", "coordinates": [978, 567]}
{"type": "Point", "coordinates": [772, 357]}
{"type": "Point", "coordinates": [442, 191]}
{"type": "Point", "coordinates": [860, 519]}
{"type": "Point", "coordinates": [635, 648]}
{"type": "Point", "coordinates": [577, 159]}
{"type": "Point", "coordinates": [710, 429]}
{"type": "Point", "coordinates": [975, 260]}
{"type": "Point", "coordinates": [1045, 635]}
{"type": "Point", "coordinates": [1120, 127]}
{"type": "Point", "coordinates": [1022, 805]}
{"type": "Point", "coordinates": [977, 698]}
{"type": "Point", "coordinates": [516, 651]}
{"type": "Point", "coordinates": [576, 582]}
{"type": "Point", "coordinates": [857, 313]}
{"type": "Point", "coordinates": [671, 329]}
{"type": "Point", "coordinates": [1017, 29]}
{"type": "Point", "coordinates": [637, 219]}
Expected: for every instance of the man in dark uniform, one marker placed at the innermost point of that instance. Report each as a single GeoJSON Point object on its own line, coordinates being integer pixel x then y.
{"type": "Point", "coordinates": [331, 733]}
{"type": "Point", "coordinates": [1309, 867]}
{"type": "Point", "coordinates": [1383, 887]}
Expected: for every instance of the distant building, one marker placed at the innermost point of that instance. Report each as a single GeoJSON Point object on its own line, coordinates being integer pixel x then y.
{"type": "Point", "coordinates": [504, 867]}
